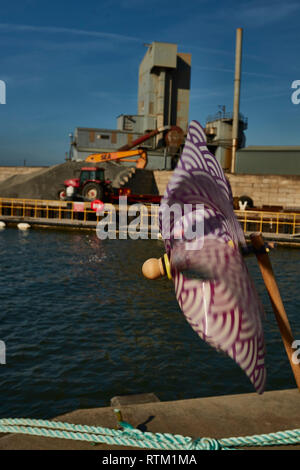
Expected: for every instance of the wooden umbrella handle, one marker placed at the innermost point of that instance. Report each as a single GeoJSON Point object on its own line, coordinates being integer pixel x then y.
{"type": "Point", "coordinates": [276, 301]}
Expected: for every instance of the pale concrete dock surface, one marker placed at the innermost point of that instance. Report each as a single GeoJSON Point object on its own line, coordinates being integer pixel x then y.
{"type": "Point", "coordinates": [215, 417]}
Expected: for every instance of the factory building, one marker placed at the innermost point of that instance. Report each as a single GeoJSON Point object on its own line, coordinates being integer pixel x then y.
{"type": "Point", "coordinates": [91, 140]}
{"type": "Point", "coordinates": [163, 99]}
{"type": "Point", "coordinates": [164, 86]}
{"type": "Point", "coordinates": [218, 130]}
{"type": "Point", "coordinates": [271, 160]}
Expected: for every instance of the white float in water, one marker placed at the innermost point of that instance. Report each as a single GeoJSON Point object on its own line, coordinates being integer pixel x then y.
{"type": "Point", "coordinates": [23, 226]}
{"type": "Point", "coordinates": [2, 224]}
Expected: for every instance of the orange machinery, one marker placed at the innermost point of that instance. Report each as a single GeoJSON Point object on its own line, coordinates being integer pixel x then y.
{"type": "Point", "coordinates": [141, 162]}
{"type": "Point", "coordinates": [174, 139]}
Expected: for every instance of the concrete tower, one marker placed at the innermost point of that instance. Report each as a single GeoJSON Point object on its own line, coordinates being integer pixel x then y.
{"type": "Point", "coordinates": [164, 86]}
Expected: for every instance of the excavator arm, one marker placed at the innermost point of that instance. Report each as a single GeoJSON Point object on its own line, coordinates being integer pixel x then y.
{"type": "Point", "coordinates": [173, 139]}
{"type": "Point", "coordinates": [141, 162]}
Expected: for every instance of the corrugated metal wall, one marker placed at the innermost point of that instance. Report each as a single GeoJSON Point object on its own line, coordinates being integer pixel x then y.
{"type": "Point", "coordinates": [272, 162]}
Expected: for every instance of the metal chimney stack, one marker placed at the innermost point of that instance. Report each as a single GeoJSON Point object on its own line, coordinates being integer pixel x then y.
{"type": "Point", "coordinates": [236, 100]}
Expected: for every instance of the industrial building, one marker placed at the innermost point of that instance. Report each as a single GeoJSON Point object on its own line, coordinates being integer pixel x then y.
{"type": "Point", "coordinates": [163, 99]}
{"type": "Point", "coordinates": [164, 87]}
{"type": "Point", "coordinates": [219, 136]}
{"type": "Point", "coordinates": [270, 160]}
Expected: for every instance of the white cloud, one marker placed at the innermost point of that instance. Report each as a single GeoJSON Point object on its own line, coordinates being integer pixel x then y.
{"type": "Point", "coordinates": [221, 69]}
{"type": "Point", "coordinates": [203, 93]}
{"type": "Point", "coordinates": [265, 96]}
{"type": "Point", "coordinates": [11, 28]}
{"type": "Point", "coordinates": [257, 13]}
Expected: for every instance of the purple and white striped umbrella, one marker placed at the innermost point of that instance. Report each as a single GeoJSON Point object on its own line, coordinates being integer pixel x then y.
{"type": "Point", "coordinates": [212, 283]}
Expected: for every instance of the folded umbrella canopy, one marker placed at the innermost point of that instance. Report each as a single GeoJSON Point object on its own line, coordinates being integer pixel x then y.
{"type": "Point", "coordinates": [203, 242]}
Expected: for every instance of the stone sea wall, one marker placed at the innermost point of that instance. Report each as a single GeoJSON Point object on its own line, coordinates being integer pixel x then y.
{"type": "Point", "coordinates": [264, 190]}
{"type": "Point", "coordinates": [269, 190]}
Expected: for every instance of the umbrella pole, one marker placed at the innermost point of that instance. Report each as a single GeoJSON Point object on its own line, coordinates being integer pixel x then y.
{"type": "Point", "coordinates": [276, 301]}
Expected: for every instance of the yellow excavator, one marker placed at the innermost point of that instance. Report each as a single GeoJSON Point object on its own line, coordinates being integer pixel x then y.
{"type": "Point", "coordinates": [174, 139]}
{"type": "Point", "coordinates": [92, 184]}
{"type": "Point", "coordinates": [141, 162]}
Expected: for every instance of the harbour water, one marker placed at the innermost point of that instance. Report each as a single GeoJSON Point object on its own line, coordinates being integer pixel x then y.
{"type": "Point", "coordinates": [82, 325]}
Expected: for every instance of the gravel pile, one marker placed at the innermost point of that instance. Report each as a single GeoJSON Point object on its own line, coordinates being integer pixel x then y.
{"type": "Point", "coordinates": [46, 183]}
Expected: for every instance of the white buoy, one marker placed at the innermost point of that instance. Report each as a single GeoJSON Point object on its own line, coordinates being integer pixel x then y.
{"type": "Point", "coordinates": [23, 226]}
{"type": "Point", "coordinates": [2, 224]}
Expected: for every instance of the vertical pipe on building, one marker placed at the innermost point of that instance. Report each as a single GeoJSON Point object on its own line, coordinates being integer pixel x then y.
{"type": "Point", "coordinates": [170, 101]}
{"type": "Point", "coordinates": [161, 99]}
{"type": "Point", "coordinates": [236, 100]}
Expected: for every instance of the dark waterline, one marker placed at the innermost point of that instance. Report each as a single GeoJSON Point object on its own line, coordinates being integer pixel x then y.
{"type": "Point", "coordinates": [82, 325]}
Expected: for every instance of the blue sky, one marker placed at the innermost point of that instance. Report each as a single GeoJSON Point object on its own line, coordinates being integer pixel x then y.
{"type": "Point", "coordinates": [68, 64]}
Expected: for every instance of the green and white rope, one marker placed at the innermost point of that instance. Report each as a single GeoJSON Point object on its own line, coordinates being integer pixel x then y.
{"type": "Point", "coordinates": [272, 439]}
{"type": "Point", "coordinates": [133, 437]}
{"type": "Point", "coordinates": [129, 437]}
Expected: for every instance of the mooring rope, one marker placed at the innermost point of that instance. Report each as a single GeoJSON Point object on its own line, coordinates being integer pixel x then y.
{"type": "Point", "coordinates": [132, 437]}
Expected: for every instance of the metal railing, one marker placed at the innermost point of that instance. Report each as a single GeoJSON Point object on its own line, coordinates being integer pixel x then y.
{"type": "Point", "coordinates": [42, 209]}
{"type": "Point", "coordinates": [73, 212]}
{"type": "Point", "coordinates": [226, 115]}
{"type": "Point", "coordinates": [35, 210]}
{"type": "Point", "coordinates": [146, 216]}
{"type": "Point", "coordinates": [269, 222]}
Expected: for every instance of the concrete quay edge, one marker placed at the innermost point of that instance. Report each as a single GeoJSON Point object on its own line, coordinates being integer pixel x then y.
{"type": "Point", "coordinates": [216, 417]}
